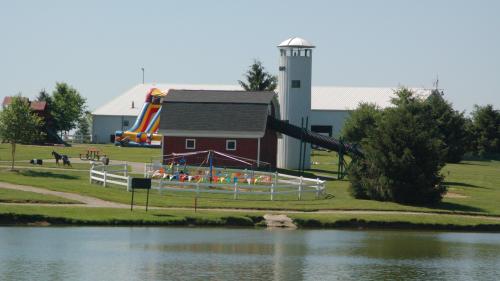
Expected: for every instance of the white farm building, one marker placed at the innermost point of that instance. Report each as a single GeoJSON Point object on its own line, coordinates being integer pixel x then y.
{"type": "Point", "coordinates": [330, 106]}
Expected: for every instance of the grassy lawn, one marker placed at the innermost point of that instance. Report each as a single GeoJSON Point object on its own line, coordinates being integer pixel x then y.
{"type": "Point", "coordinates": [18, 196]}
{"type": "Point", "coordinates": [108, 216]}
{"type": "Point", "coordinates": [431, 221]}
{"type": "Point", "coordinates": [474, 188]}
{"type": "Point", "coordinates": [27, 152]}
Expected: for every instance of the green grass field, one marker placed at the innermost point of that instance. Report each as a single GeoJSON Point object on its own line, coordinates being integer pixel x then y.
{"type": "Point", "coordinates": [17, 196]}
{"type": "Point", "coordinates": [474, 188]}
{"type": "Point", "coordinates": [27, 152]}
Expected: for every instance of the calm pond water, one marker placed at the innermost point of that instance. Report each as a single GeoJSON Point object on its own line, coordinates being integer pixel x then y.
{"type": "Point", "coordinates": [141, 253]}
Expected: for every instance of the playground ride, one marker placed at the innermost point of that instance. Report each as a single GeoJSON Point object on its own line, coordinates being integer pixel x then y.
{"type": "Point", "coordinates": [144, 132]}
{"type": "Point", "coordinates": [219, 173]}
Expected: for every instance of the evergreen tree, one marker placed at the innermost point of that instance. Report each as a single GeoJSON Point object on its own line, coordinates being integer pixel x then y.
{"type": "Point", "coordinates": [451, 126]}
{"type": "Point", "coordinates": [403, 156]}
{"type": "Point", "coordinates": [257, 79]}
{"type": "Point", "coordinates": [360, 122]}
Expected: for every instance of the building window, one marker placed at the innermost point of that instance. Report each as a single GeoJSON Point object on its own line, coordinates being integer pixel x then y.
{"type": "Point", "coordinates": [125, 123]}
{"type": "Point", "coordinates": [295, 83]}
{"type": "Point", "coordinates": [190, 144]}
{"type": "Point", "coordinates": [231, 145]}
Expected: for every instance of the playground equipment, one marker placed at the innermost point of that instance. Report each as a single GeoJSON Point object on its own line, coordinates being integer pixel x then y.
{"type": "Point", "coordinates": [219, 173]}
{"type": "Point", "coordinates": [144, 131]}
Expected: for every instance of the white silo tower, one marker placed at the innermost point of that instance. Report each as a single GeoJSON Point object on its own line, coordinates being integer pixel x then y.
{"type": "Point", "coordinates": [294, 94]}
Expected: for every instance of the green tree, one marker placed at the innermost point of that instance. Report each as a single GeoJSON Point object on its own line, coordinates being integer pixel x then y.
{"type": "Point", "coordinates": [83, 127]}
{"type": "Point", "coordinates": [451, 126]}
{"type": "Point", "coordinates": [257, 79]}
{"type": "Point", "coordinates": [403, 156]}
{"type": "Point", "coordinates": [485, 128]}
{"type": "Point", "coordinates": [360, 122]}
{"type": "Point", "coordinates": [67, 107]}
{"type": "Point", "coordinates": [18, 124]}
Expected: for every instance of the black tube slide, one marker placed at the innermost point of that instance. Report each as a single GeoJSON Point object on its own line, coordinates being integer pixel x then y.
{"type": "Point", "coordinates": [312, 137]}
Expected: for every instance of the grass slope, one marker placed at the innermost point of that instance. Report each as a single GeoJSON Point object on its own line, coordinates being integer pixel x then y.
{"type": "Point", "coordinates": [18, 196]}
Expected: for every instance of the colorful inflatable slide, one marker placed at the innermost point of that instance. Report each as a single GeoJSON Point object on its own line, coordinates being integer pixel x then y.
{"type": "Point", "coordinates": [144, 132]}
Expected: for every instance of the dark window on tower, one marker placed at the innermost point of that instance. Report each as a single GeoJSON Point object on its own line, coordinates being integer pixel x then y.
{"type": "Point", "coordinates": [295, 83]}
{"type": "Point", "coordinates": [125, 123]}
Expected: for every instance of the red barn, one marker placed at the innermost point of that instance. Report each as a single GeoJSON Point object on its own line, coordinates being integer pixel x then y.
{"type": "Point", "coordinates": [232, 122]}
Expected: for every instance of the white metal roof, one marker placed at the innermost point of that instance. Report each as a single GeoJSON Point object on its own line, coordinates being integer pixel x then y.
{"type": "Point", "coordinates": [323, 97]}
{"type": "Point", "coordinates": [296, 42]}
{"type": "Point", "coordinates": [348, 98]}
{"type": "Point", "coordinates": [122, 105]}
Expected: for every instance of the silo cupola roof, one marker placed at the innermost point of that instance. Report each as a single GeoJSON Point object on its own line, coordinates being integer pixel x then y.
{"type": "Point", "coordinates": [296, 42]}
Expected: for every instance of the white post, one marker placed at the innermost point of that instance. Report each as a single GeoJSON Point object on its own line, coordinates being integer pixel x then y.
{"type": "Point", "coordinates": [126, 169]}
{"type": "Point", "coordinates": [129, 184]}
{"type": "Point", "coordinates": [197, 189]}
{"type": "Point", "coordinates": [276, 178]}
{"type": "Point", "coordinates": [317, 188]}
{"type": "Point", "coordinates": [104, 182]}
{"type": "Point", "coordinates": [90, 174]}
{"type": "Point", "coordinates": [272, 192]}
{"type": "Point", "coordinates": [235, 190]}
{"type": "Point", "coordinates": [300, 188]}
{"type": "Point", "coordinates": [160, 185]}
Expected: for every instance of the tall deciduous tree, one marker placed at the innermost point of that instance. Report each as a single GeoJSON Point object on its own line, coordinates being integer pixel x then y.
{"type": "Point", "coordinates": [257, 79]}
{"type": "Point", "coordinates": [68, 106]}
{"type": "Point", "coordinates": [485, 128]}
{"type": "Point", "coordinates": [18, 124]}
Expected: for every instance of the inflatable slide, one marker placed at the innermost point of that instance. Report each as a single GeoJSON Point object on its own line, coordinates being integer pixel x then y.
{"type": "Point", "coordinates": [144, 132]}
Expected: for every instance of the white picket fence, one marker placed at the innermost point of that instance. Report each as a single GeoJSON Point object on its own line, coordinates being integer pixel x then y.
{"type": "Point", "coordinates": [111, 174]}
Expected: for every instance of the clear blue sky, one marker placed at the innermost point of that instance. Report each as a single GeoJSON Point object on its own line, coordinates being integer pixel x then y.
{"type": "Point", "coordinates": [100, 46]}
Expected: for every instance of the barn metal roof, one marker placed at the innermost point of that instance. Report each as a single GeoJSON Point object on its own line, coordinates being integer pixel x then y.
{"type": "Point", "coordinates": [217, 96]}
{"type": "Point", "coordinates": [322, 97]}
{"type": "Point", "coordinates": [122, 104]}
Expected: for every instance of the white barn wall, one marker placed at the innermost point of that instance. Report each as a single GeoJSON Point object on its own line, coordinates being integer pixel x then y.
{"type": "Point", "coordinates": [334, 118]}
{"type": "Point", "coordinates": [103, 126]}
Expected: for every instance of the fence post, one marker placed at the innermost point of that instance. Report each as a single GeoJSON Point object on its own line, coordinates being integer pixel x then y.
{"type": "Point", "coordinates": [272, 192]}
{"type": "Point", "coordinates": [300, 188]}
{"type": "Point", "coordinates": [129, 184]}
{"type": "Point", "coordinates": [317, 188]}
{"type": "Point", "coordinates": [235, 190]}
{"type": "Point", "coordinates": [126, 170]}
{"type": "Point", "coordinates": [276, 178]}
{"type": "Point", "coordinates": [197, 189]}
{"type": "Point", "coordinates": [104, 182]}
{"type": "Point", "coordinates": [90, 174]}
{"type": "Point", "coordinates": [160, 185]}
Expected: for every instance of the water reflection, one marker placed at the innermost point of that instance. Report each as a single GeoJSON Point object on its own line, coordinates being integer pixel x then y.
{"type": "Point", "coordinates": [245, 254]}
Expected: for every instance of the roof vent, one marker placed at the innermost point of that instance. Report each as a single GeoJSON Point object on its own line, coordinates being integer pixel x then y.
{"type": "Point", "coordinates": [133, 105]}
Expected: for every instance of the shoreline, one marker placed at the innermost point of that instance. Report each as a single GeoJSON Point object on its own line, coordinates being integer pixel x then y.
{"type": "Point", "coordinates": [243, 221]}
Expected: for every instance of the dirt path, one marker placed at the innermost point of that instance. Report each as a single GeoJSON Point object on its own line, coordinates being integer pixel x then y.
{"type": "Point", "coordinates": [86, 201]}
{"type": "Point", "coordinates": [279, 221]}
{"type": "Point", "coordinates": [92, 202]}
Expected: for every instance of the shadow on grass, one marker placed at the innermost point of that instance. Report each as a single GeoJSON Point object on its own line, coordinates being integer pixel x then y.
{"type": "Point", "coordinates": [163, 215]}
{"type": "Point", "coordinates": [462, 184]}
{"type": "Point", "coordinates": [456, 207]}
{"type": "Point", "coordinates": [39, 174]}
{"type": "Point", "coordinates": [308, 174]}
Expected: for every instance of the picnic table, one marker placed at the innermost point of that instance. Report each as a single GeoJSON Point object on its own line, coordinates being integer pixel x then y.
{"type": "Point", "coordinates": [92, 153]}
